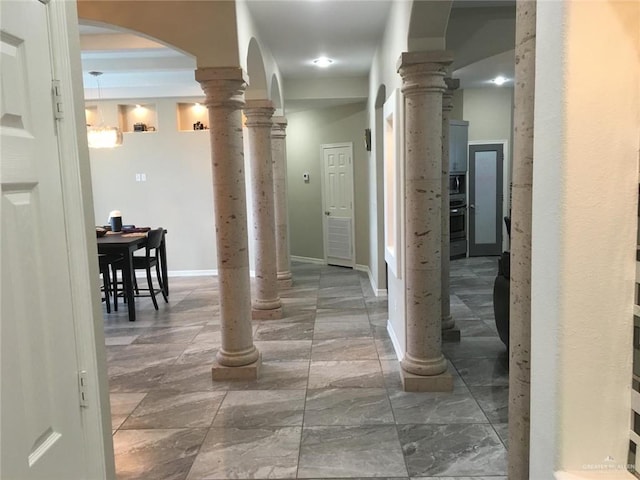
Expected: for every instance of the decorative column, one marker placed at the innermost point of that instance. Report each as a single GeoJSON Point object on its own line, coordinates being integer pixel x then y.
{"type": "Point", "coordinates": [449, 330]}
{"type": "Point", "coordinates": [279, 157]}
{"type": "Point", "coordinates": [520, 285]}
{"type": "Point", "coordinates": [424, 368]}
{"type": "Point", "coordinates": [224, 88]}
{"type": "Point", "coordinates": [266, 304]}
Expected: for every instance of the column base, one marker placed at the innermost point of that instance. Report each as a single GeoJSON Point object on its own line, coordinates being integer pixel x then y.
{"type": "Point", "coordinates": [285, 283]}
{"type": "Point", "coordinates": [448, 322]}
{"type": "Point", "coordinates": [272, 314]}
{"type": "Point", "coordinates": [432, 383]}
{"type": "Point", "coordinates": [245, 372]}
{"type": "Point", "coordinates": [451, 334]}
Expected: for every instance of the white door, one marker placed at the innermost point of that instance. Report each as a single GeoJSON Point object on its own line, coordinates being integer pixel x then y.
{"type": "Point", "coordinates": [338, 204]}
{"type": "Point", "coordinates": [41, 429]}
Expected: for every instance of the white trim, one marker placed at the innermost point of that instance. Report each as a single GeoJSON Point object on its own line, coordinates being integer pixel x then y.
{"type": "Point", "coordinates": [324, 147]}
{"type": "Point", "coordinates": [192, 273]}
{"type": "Point", "coordinates": [75, 178]}
{"type": "Point", "coordinates": [393, 181]}
{"type": "Point", "coordinates": [394, 341]}
{"type": "Point", "coordinates": [605, 474]}
{"type": "Point", "coordinates": [378, 292]}
{"type": "Point", "coordinates": [316, 261]}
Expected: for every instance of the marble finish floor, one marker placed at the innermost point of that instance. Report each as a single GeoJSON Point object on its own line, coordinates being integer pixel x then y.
{"type": "Point", "coordinates": [329, 401]}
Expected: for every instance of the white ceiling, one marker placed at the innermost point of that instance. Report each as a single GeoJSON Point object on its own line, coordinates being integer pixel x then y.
{"type": "Point", "coordinates": [299, 31]}
{"type": "Point", "coordinates": [296, 31]}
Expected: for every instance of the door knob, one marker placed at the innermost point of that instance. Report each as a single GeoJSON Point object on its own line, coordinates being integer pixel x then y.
{"type": "Point", "coordinates": [472, 206]}
{"type": "Point", "coordinates": [327, 213]}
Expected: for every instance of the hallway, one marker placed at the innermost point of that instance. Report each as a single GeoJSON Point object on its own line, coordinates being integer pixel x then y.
{"type": "Point", "coordinates": [328, 402]}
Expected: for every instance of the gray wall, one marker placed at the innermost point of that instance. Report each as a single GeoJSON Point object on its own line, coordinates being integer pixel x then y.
{"type": "Point", "coordinates": [490, 115]}
{"type": "Point", "coordinates": [307, 131]}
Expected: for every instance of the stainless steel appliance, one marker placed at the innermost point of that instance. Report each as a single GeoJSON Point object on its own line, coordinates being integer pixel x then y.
{"type": "Point", "coordinates": [457, 186]}
{"type": "Point", "coordinates": [458, 215]}
{"type": "Point", "coordinates": [457, 228]}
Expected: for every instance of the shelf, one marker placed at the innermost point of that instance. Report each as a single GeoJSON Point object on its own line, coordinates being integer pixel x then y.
{"type": "Point", "coordinates": [191, 113]}
{"type": "Point", "coordinates": [130, 115]}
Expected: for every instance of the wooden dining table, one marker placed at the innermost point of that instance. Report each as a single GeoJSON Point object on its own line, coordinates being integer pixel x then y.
{"type": "Point", "coordinates": [125, 244]}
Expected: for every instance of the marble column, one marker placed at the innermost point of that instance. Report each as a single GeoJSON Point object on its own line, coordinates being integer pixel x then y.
{"type": "Point", "coordinates": [266, 302]}
{"type": "Point", "coordinates": [424, 368]}
{"type": "Point", "coordinates": [449, 330]}
{"type": "Point", "coordinates": [520, 285]}
{"type": "Point", "coordinates": [279, 157]}
{"type": "Point", "coordinates": [224, 89]}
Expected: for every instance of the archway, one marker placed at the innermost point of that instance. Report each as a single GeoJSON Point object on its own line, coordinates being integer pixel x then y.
{"type": "Point", "coordinates": [276, 95]}
{"type": "Point", "coordinates": [257, 89]}
{"type": "Point", "coordinates": [428, 25]}
{"type": "Point", "coordinates": [207, 30]}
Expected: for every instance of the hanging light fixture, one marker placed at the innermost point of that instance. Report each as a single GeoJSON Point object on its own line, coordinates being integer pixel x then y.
{"type": "Point", "coordinates": [102, 136]}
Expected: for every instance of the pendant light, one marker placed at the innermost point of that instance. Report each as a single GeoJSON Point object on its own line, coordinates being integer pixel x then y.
{"type": "Point", "coordinates": [102, 136]}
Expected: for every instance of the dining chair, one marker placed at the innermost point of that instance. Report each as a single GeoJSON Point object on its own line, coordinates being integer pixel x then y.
{"type": "Point", "coordinates": [106, 263]}
{"type": "Point", "coordinates": [150, 260]}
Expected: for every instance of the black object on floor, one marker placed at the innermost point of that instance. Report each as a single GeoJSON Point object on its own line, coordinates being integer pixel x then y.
{"type": "Point", "coordinates": [501, 298]}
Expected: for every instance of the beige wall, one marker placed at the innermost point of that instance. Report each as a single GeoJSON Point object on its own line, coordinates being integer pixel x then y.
{"type": "Point", "coordinates": [384, 73]}
{"type": "Point", "coordinates": [585, 194]}
{"type": "Point", "coordinates": [178, 192]}
{"type": "Point", "coordinates": [307, 131]}
{"type": "Point", "coordinates": [488, 111]}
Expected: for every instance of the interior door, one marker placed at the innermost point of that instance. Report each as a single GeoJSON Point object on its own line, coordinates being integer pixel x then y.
{"type": "Point", "coordinates": [338, 205]}
{"type": "Point", "coordinates": [485, 199]}
{"type": "Point", "coordinates": [41, 429]}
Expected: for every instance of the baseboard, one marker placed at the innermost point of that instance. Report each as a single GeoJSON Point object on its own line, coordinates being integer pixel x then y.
{"type": "Point", "coordinates": [378, 292]}
{"type": "Point", "coordinates": [191, 273]}
{"type": "Point", "coordinates": [395, 342]}
{"type": "Point", "coordinates": [316, 261]}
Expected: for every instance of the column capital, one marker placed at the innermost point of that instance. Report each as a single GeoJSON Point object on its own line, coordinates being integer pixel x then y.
{"type": "Point", "coordinates": [259, 113]}
{"type": "Point", "coordinates": [442, 58]}
{"type": "Point", "coordinates": [447, 98]}
{"type": "Point", "coordinates": [279, 128]}
{"type": "Point", "coordinates": [452, 83]}
{"type": "Point", "coordinates": [223, 86]}
{"type": "Point", "coordinates": [424, 71]}
{"type": "Point", "coordinates": [260, 104]}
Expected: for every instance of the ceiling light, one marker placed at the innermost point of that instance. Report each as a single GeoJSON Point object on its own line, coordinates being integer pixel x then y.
{"type": "Point", "coordinates": [322, 62]}
{"type": "Point", "coordinates": [499, 80]}
{"type": "Point", "coordinates": [102, 136]}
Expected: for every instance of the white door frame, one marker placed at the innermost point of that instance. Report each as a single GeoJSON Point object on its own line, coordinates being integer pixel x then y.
{"type": "Point", "coordinates": [80, 232]}
{"type": "Point", "coordinates": [323, 147]}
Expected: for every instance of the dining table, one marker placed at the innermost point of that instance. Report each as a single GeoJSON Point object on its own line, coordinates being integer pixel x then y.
{"type": "Point", "coordinates": [125, 244]}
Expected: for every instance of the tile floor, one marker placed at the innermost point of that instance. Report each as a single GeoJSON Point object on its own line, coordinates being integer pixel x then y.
{"type": "Point", "coordinates": [328, 403]}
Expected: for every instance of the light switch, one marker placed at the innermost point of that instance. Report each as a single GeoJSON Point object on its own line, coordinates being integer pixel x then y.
{"type": "Point", "coordinates": [143, 177]}
{"type": "Point", "coordinates": [137, 177]}
{"type": "Point", "coordinates": [305, 177]}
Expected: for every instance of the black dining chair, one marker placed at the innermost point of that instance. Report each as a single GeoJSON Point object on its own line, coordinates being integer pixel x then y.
{"type": "Point", "coordinates": [106, 263]}
{"type": "Point", "coordinates": [150, 259]}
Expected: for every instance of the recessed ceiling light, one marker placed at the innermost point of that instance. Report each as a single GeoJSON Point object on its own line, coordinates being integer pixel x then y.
{"type": "Point", "coordinates": [322, 62]}
{"type": "Point", "coordinates": [499, 80]}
